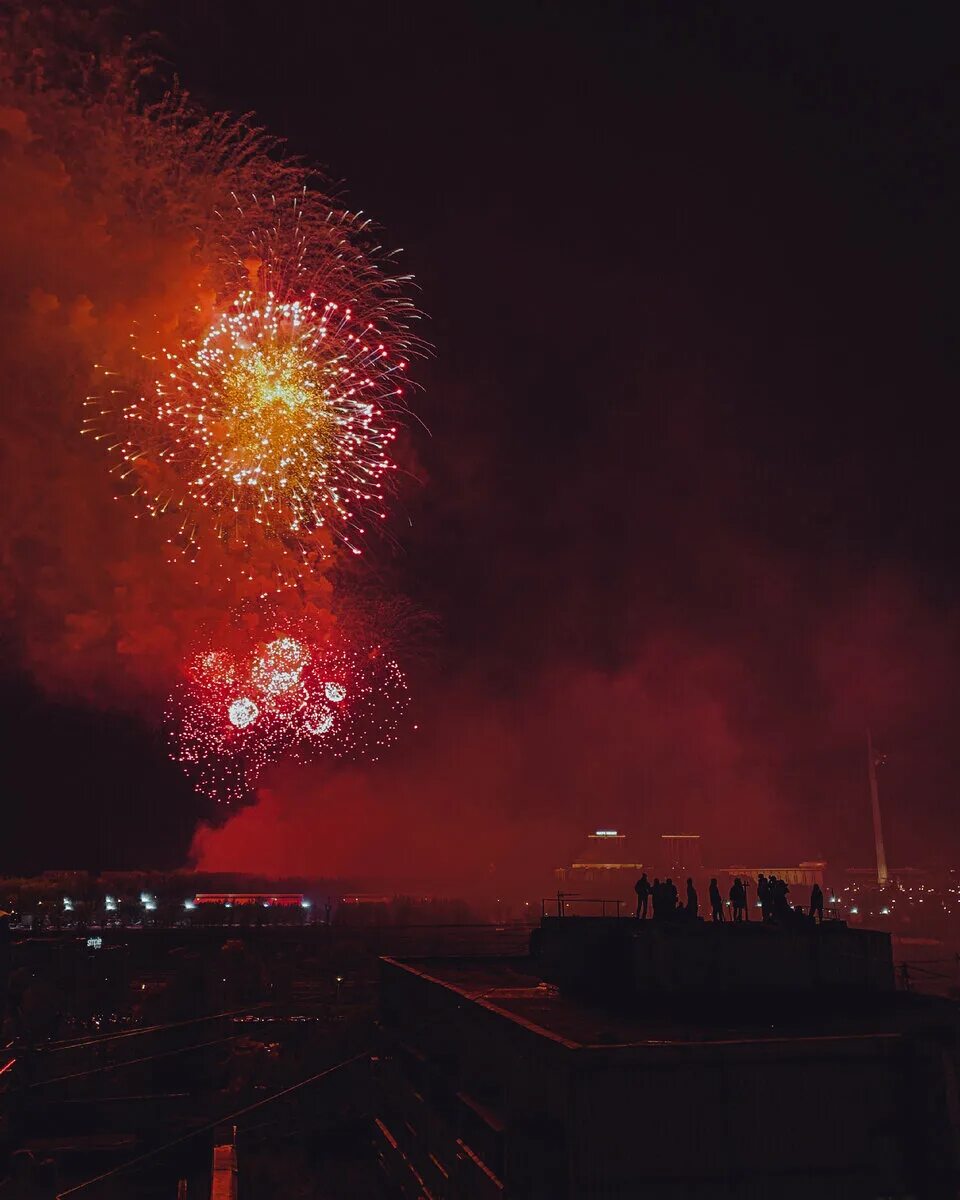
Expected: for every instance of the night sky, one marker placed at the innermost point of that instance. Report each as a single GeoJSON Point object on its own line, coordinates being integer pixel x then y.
{"type": "Point", "coordinates": [687, 511]}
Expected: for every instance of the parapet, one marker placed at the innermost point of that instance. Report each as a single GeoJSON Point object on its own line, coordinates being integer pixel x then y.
{"type": "Point", "coordinates": [597, 955]}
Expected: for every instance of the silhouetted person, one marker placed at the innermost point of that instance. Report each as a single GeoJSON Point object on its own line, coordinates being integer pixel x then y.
{"type": "Point", "coordinates": [738, 899]}
{"type": "Point", "coordinates": [656, 894]}
{"type": "Point", "coordinates": [816, 902]}
{"type": "Point", "coordinates": [693, 904]}
{"type": "Point", "coordinates": [671, 897]}
{"type": "Point", "coordinates": [779, 905]}
{"type": "Point", "coordinates": [763, 895]}
{"type": "Point", "coordinates": [716, 902]}
{"type": "Point", "coordinates": [643, 889]}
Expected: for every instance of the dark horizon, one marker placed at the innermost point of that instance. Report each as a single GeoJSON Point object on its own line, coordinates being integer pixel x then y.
{"type": "Point", "coordinates": [686, 513]}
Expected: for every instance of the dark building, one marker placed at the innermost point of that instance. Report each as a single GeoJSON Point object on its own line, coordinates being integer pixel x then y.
{"type": "Point", "coordinates": [498, 1081]}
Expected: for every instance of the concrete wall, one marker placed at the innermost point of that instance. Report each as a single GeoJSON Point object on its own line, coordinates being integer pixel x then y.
{"type": "Point", "coordinates": [613, 957]}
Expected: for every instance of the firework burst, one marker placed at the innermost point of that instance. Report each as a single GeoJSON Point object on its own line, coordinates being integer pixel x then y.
{"type": "Point", "coordinates": [292, 695]}
{"type": "Point", "coordinates": [276, 423]}
{"type": "Point", "coordinates": [270, 426]}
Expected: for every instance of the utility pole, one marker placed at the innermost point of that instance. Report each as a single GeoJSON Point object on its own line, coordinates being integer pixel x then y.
{"type": "Point", "coordinates": [875, 802]}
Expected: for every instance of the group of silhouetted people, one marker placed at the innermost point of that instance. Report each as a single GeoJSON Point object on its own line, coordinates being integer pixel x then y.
{"type": "Point", "coordinates": [774, 905]}
{"type": "Point", "coordinates": [771, 895]}
{"type": "Point", "coordinates": [665, 900]}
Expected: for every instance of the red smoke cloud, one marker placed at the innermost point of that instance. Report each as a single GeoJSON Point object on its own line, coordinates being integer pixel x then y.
{"type": "Point", "coordinates": [753, 738]}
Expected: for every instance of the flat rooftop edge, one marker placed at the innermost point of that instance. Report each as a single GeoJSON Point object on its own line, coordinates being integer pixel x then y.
{"type": "Point", "coordinates": [512, 990]}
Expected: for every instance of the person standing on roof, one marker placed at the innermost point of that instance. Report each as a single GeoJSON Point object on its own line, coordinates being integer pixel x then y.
{"type": "Point", "coordinates": [738, 899]}
{"type": "Point", "coordinates": [816, 902]}
{"type": "Point", "coordinates": [763, 895]}
{"type": "Point", "coordinates": [716, 902]}
{"type": "Point", "coordinates": [642, 888]}
{"type": "Point", "coordinates": [693, 903]}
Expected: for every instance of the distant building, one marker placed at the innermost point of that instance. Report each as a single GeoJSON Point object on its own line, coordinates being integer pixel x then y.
{"type": "Point", "coordinates": [604, 867]}
{"type": "Point", "coordinates": [913, 875]}
{"type": "Point", "coordinates": [239, 899]}
{"type": "Point", "coordinates": [680, 855]}
{"type": "Point", "coordinates": [803, 876]}
{"type": "Point", "coordinates": [66, 878]}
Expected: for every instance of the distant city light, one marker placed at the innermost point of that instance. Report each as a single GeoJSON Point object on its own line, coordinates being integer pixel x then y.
{"type": "Point", "coordinates": [305, 903]}
{"type": "Point", "coordinates": [189, 904]}
{"type": "Point", "coordinates": [111, 904]}
{"type": "Point", "coordinates": [606, 833]}
{"type": "Point", "coordinates": [145, 897]}
{"type": "Point", "coordinates": [67, 904]}
{"type": "Point", "coordinates": [94, 943]}
{"type": "Point", "coordinates": [854, 910]}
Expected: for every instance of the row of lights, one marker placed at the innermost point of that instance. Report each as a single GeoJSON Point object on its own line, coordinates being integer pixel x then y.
{"type": "Point", "coordinates": [150, 904]}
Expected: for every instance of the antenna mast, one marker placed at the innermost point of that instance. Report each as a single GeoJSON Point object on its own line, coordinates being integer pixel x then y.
{"type": "Point", "coordinates": [875, 802]}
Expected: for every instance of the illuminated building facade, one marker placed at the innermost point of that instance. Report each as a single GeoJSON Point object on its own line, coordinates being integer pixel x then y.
{"type": "Point", "coordinates": [604, 866]}
{"type": "Point", "coordinates": [239, 899]}
{"type": "Point", "coordinates": [800, 879]}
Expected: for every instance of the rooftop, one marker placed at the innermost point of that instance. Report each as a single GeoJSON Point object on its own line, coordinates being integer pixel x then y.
{"type": "Point", "coordinates": [512, 988]}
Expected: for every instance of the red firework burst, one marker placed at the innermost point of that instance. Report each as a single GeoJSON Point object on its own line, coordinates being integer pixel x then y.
{"type": "Point", "coordinates": [235, 713]}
